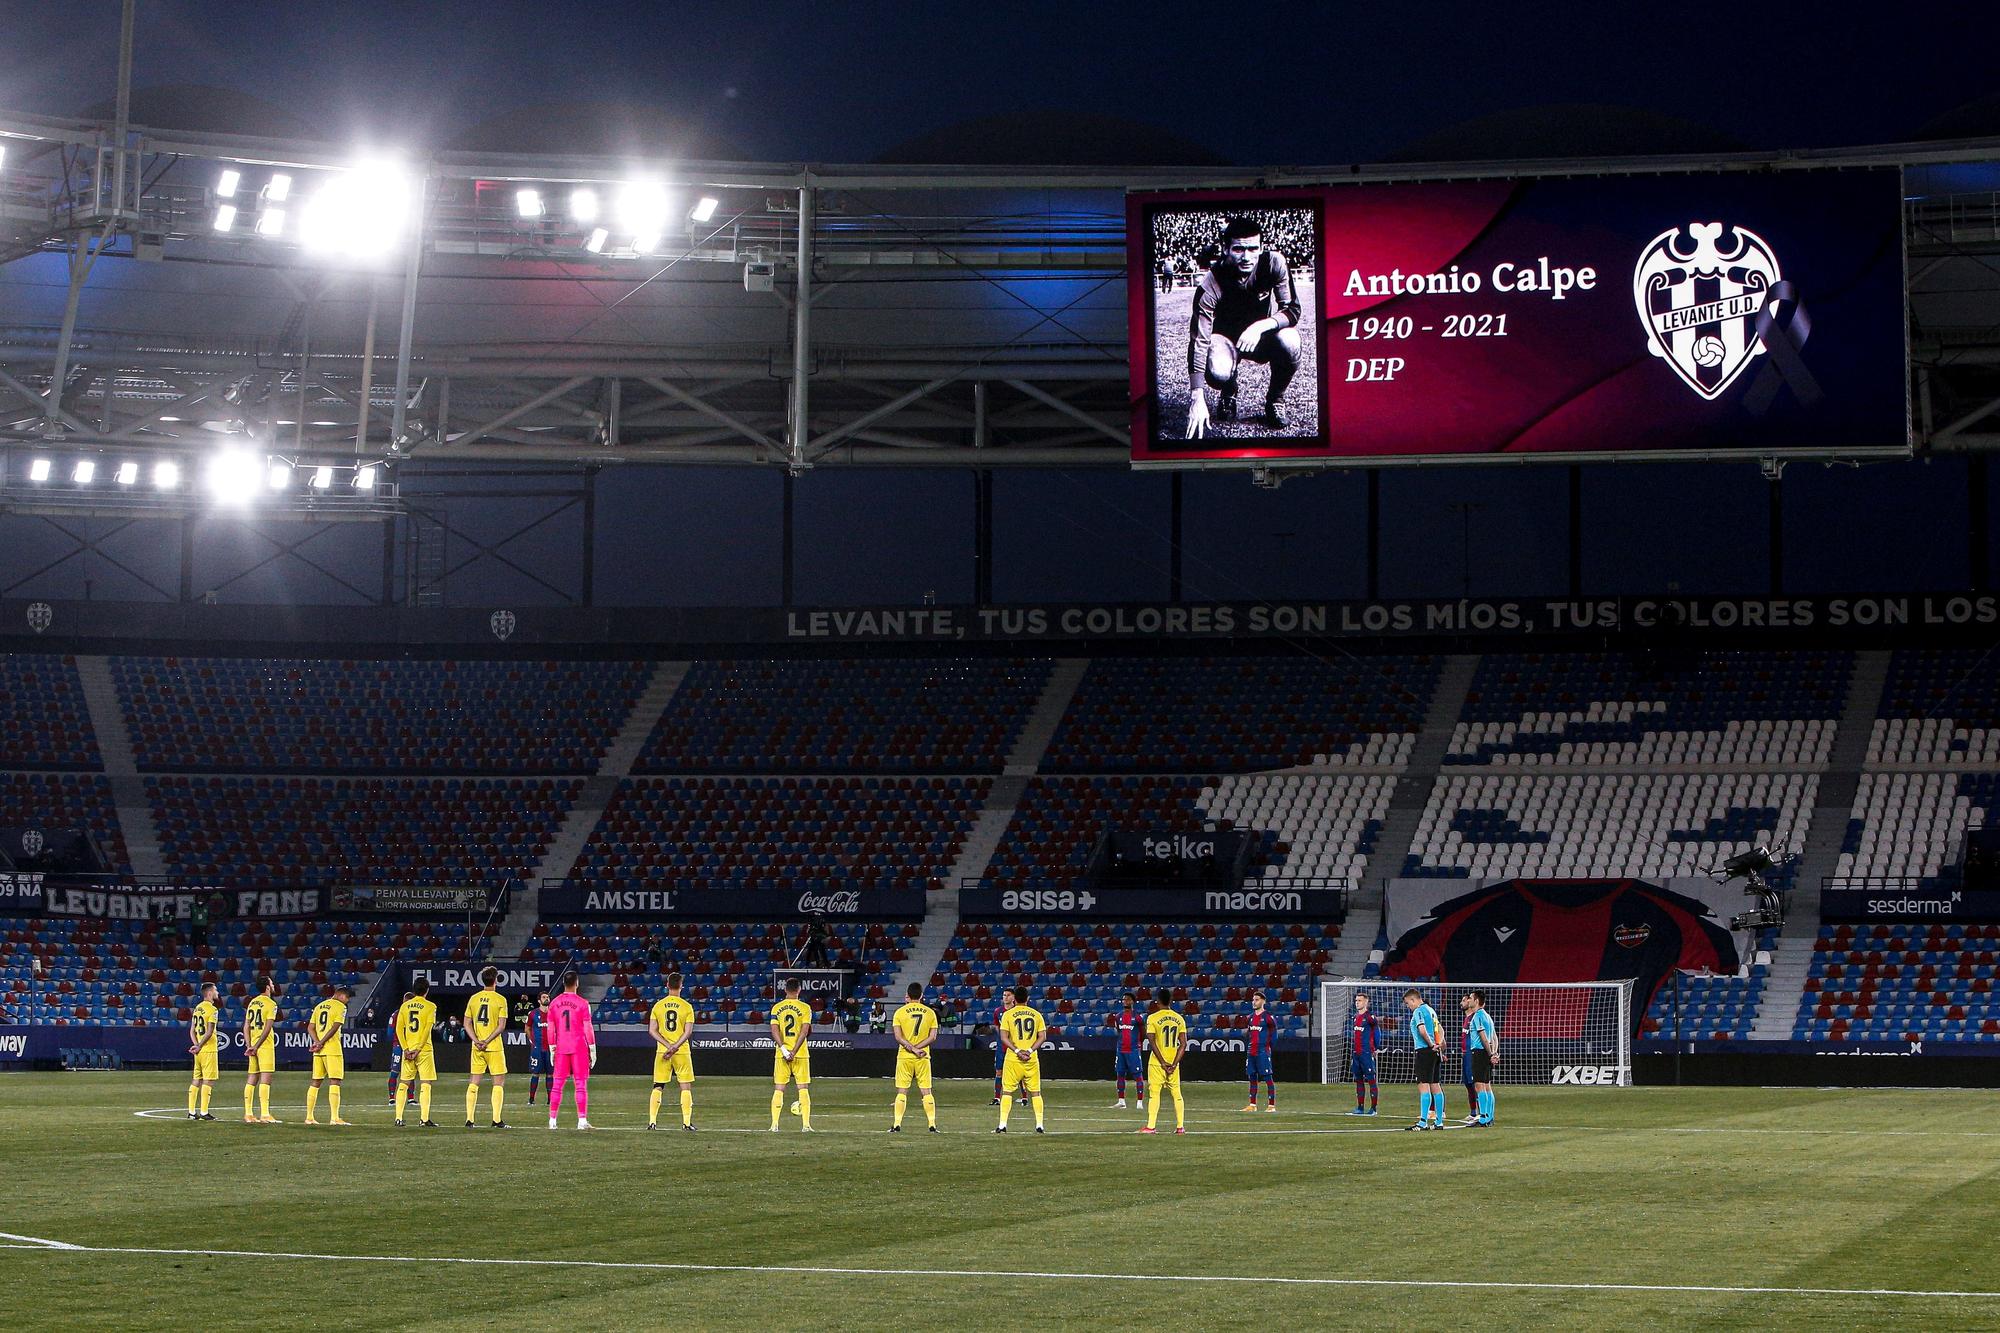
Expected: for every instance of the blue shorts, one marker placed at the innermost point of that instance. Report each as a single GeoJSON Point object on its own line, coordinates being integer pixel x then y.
{"type": "Point", "coordinates": [1126, 1064]}
{"type": "Point", "coordinates": [1364, 1068]}
{"type": "Point", "coordinates": [538, 1059]}
{"type": "Point", "coordinates": [999, 1055]}
{"type": "Point", "coordinates": [1470, 1072]}
{"type": "Point", "coordinates": [1259, 1066]}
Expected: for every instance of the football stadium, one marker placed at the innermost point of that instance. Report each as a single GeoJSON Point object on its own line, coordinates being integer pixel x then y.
{"type": "Point", "coordinates": [601, 727]}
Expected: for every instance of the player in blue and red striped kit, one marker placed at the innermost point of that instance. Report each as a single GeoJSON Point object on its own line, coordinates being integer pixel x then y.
{"type": "Point", "coordinates": [1129, 1053]}
{"type": "Point", "coordinates": [1263, 1042]}
{"type": "Point", "coordinates": [1367, 1041]}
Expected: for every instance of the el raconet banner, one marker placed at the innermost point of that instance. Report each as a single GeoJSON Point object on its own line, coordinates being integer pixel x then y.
{"type": "Point", "coordinates": [1721, 314]}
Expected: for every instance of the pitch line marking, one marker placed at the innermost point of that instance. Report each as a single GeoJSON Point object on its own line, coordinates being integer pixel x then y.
{"type": "Point", "coordinates": [810, 1270]}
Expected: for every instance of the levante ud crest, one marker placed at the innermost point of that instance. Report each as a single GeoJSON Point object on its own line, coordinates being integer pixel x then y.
{"type": "Point", "coordinates": [1705, 292]}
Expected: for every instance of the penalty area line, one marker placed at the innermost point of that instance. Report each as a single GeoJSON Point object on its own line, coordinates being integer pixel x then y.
{"type": "Point", "coordinates": [1010, 1275]}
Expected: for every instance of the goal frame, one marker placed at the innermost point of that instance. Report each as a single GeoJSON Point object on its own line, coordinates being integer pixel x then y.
{"type": "Point", "coordinates": [1396, 1062]}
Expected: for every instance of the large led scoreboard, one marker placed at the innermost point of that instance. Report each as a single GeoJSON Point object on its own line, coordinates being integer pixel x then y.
{"type": "Point", "coordinates": [1748, 314]}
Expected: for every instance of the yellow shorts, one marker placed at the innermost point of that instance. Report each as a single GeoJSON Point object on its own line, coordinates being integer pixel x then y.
{"type": "Point", "coordinates": [331, 1062]}
{"type": "Point", "coordinates": [1019, 1073]}
{"type": "Point", "coordinates": [908, 1067]}
{"type": "Point", "coordinates": [492, 1060]}
{"type": "Point", "coordinates": [264, 1060]}
{"type": "Point", "coordinates": [1159, 1080]}
{"type": "Point", "coordinates": [205, 1064]}
{"type": "Point", "coordinates": [420, 1066]}
{"type": "Point", "coordinates": [784, 1071]}
{"type": "Point", "coordinates": [675, 1068]}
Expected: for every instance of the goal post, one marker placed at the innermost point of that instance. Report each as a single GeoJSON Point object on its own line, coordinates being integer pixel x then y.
{"type": "Point", "coordinates": [1553, 1032]}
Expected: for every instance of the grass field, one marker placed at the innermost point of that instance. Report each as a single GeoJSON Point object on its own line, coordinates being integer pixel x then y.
{"type": "Point", "coordinates": [1583, 1208]}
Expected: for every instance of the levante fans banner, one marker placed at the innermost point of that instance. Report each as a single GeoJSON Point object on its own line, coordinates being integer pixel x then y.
{"type": "Point", "coordinates": [1548, 930]}
{"type": "Point", "coordinates": [985, 902]}
{"type": "Point", "coordinates": [1715, 314]}
{"type": "Point", "coordinates": [570, 901]}
{"type": "Point", "coordinates": [1939, 615]}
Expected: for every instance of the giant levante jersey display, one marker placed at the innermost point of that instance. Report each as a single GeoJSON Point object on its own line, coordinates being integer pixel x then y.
{"type": "Point", "coordinates": [1671, 315]}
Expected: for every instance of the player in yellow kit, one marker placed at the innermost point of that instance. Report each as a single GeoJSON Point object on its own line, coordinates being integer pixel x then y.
{"type": "Point", "coordinates": [1022, 1031]}
{"type": "Point", "coordinates": [791, 1024]}
{"type": "Point", "coordinates": [485, 1021]}
{"type": "Point", "coordinates": [916, 1028]}
{"type": "Point", "coordinates": [1166, 1045]}
{"type": "Point", "coordinates": [414, 1021]}
{"type": "Point", "coordinates": [201, 1045]}
{"type": "Point", "coordinates": [324, 1031]}
{"type": "Point", "coordinates": [672, 1026]}
{"type": "Point", "coordinates": [260, 1044]}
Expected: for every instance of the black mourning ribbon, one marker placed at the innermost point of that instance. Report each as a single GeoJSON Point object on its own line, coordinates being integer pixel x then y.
{"type": "Point", "coordinates": [1783, 338]}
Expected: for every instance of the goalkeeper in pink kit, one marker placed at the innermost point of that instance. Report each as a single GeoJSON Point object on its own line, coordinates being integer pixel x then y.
{"type": "Point", "coordinates": [573, 1042]}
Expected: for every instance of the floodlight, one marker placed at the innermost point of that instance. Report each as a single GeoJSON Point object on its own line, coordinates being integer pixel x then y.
{"type": "Point", "coordinates": [85, 470]}
{"type": "Point", "coordinates": [322, 477]}
{"type": "Point", "coordinates": [358, 213]}
{"type": "Point", "coordinates": [642, 208]}
{"type": "Point", "coordinates": [364, 477]}
{"type": "Point", "coordinates": [38, 470]}
{"type": "Point", "coordinates": [128, 473]}
{"type": "Point", "coordinates": [280, 475]}
{"type": "Point", "coordinates": [271, 222]}
{"type": "Point", "coordinates": [597, 239]}
{"type": "Point", "coordinates": [232, 476]}
{"type": "Point", "coordinates": [705, 209]}
{"type": "Point", "coordinates": [280, 188]}
{"type": "Point", "coordinates": [528, 203]}
{"type": "Point", "coordinates": [166, 476]}
{"type": "Point", "coordinates": [3, 154]}
{"type": "Point", "coordinates": [583, 205]}
{"type": "Point", "coordinates": [645, 245]}
{"type": "Point", "coordinates": [226, 183]}
{"type": "Point", "coordinates": [225, 217]}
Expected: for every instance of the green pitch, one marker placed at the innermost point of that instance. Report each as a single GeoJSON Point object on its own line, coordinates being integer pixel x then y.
{"type": "Point", "coordinates": [1671, 1189]}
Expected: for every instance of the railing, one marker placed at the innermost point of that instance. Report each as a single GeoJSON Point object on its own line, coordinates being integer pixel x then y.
{"type": "Point", "coordinates": [1872, 883]}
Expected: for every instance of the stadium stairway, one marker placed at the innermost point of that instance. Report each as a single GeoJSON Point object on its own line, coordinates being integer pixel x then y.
{"type": "Point", "coordinates": [121, 769]}
{"type": "Point", "coordinates": [1026, 758]}
{"type": "Point", "coordinates": [568, 844]}
{"type": "Point", "coordinates": [1792, 955]}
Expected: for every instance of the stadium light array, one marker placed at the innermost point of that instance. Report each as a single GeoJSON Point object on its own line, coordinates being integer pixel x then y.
{"type": "Point", "coordinates": [322, 478]}
{"type": "Point", "coordinates": [128, 473]}
{"type": "Point", "coordinates": [271, 222]}
{"type": "Point", "coordinates": [704, 209]}
{"type": "Point", "coordinates": [225, 217]}
{"type": "Point", "coordinates": [358, 213]}
{"type": "Point", "coordinates": [279, 189]}
{"type": "Point", "coordinates": [364, 477]}
{"type": "Point", "coordinates": [583, 204]}
{"type": "Point", "coordinates": [528, 204]}
{"type": "Point", "coordinates": [233, 476]}
{"type": "Point", "coordinates": [166, 476]}
{"type": "Point", "coordinates": [38, 470]}
{"type": "Point", "coordinates": [86, 469]}
{"type": "Point", "coordinates": [226, 183]}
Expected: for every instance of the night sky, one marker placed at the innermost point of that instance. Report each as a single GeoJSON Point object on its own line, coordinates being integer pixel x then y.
{"type": "Point", "coordinates": [847, 80]}
{"type": "Point", "coordinates": [850, 80]}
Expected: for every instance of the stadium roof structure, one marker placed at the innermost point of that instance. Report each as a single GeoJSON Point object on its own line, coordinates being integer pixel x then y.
{"type": "Point", "coordinates": [155, 294]}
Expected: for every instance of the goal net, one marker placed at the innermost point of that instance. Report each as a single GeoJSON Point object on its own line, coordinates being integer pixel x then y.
{"type": "Point", "coordinates": [1566, 1032]}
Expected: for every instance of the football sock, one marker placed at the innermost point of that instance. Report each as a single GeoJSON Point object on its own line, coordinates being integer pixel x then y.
{"type": "Point", "coordinates": [534, 1085]}
{"type": "Point", "coordinates": [333, 1101]}
{"type": "Point", "coordinates": [930, 1110]}
{"type": "Point", "coordinates": [806, 1107]}
{"type": "Point", "coordinates": [194, 1097]}
{"type": "Point", "coordinates": [423, 1101]}
{"type": "Point", "coordinates": [902, 1101]}
{"type": "Point", "coordinates": [1036, 1103]}
{"type": "Point", "coordinates": [1006, 1105]}
{"type": "Point", "coordinates": [499, 1103]}
{"type": "Point", "coordinates": [1271, 1091]}
{"type": "Point", "coordinates": [263, 1099]}
{"type": "Point", "coordinates": [687, 1105]}
{"type": "Point", "coordinates": [1253, 1092]}
{"type": "Point", "coordinates": [653, 1107]}
{"type": "Point", "coordinates": [312, 1101]}
{"type": "Point", "coordinates": [1472, 1100]}
{"type": "Point", "coordinates": [1486, 1105]}
{"type": "Point", "coordinates": [471, 1100]}
{"type": "Point", "coordinates": [583, 1099]}
{"type": "Point", "coordinates": [778, 1105]}
{"type": "Point", "coordinates": [206, 1089]}
{"type": "Point", "coordinates": [1374, 1094]}
{"type": "Point", "coordinates": [1360, 1095]}
{"type": "Point", "coordinates": [249, 1100]}
{"type": "Point", "coordinates": [1180, 1110]}
{"type": "Point", "coordinates": [1423, 1108]}
{"type": "Point", "coordinates": [402, 1099]}
{"type": "Point", "coordinates": [1153, 1110]}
